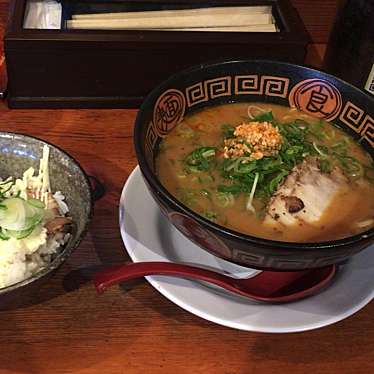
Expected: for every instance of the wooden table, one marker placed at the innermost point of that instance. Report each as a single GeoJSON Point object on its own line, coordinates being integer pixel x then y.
{"type": "Point", "coordinates": [67, 328]}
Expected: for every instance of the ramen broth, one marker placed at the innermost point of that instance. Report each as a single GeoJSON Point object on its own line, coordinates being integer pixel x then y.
{"type": "Point", "coordinates": [214, 164]}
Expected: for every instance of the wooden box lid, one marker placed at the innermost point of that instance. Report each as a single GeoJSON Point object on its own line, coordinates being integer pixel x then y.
{"type": "Point", "coordinates": [117, 68]}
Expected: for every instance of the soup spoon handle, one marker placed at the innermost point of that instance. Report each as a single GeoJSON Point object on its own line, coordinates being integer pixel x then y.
{"type": "Point", "coordinates": [116, 274]}
{"type": "Point", "coordinates": [265, 286]}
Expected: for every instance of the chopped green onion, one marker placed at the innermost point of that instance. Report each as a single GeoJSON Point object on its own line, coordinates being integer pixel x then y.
{"type": "Point", "coordinates": [3, 236]}
{"type": "Point", "coordinates": [324, 165]}
{"type": "Point", "coordinates": [274, 183]}
{"type": "Point", "coordinates": [233, 188]}
{"type": "Point", "coordinates": [20, 215]}
{"type": "Point", "coordinates": [350, 165]}
{"type": "Point", "coordinates": [6, 186]}
{"type": "Point", "coordinates": [36, 203]}
{"type": "Point", "coordinates": [212, 216]}
{"type": "Point", "coordinates": [245, 167]}
{"type": "Point", "coordinates": [194, 169]}
{"type": "Point", "coordinates": [208, 153]}
{"type": "Point", "coordinates": [224, 199]}
{"type": "Point", "coordinates": [319, 150]}
{"type": "Point", "coordinates": [21, 234]}
{"type": "Point", "coordinates": [228, 131]}
{"type": "Point", "coordinates": [199, 159]}
{"type": "Point", "coordinates": [302, 124]}
{"type": "Point", "coordinates": [317, 130]}
{"type": "Point", "coordinates": [6, 181]}
{"type": "Point", "coordinates": [264, 117]}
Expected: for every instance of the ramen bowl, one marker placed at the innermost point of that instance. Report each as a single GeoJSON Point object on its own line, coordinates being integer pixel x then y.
{"type": "Point", "coordinates": [311, 91]}
{"type": "Point", "coordinates": [20, 152]}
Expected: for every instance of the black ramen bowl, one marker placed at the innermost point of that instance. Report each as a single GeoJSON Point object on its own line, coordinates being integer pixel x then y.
{"type": "Point", "coordinates": [19, 152]}
{"type": "Point", "coordinates": [316, 93]}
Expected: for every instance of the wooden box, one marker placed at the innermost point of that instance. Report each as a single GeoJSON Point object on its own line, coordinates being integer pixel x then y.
{"type": "Point", "coordinates": [117, 68]}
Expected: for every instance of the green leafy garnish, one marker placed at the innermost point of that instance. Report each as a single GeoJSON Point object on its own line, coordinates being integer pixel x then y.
{"type": "Point", "coordinates": [317, 130]}
{"type": "Point", "coordinates": [19, 217]}
{"type": "Point", "coordinates": [36, 203]}
{"type": "Point", "coordinates": [3, 236]}
{"type": "Point", "coordinates": [274, 183]}
{"type": "Point", "coordinates": [264, 117]}
{"type": "Point", "coordinates": [199, 159]}
{"type": "Point", "coordinates": [325, 165]}
{"type": "Point", "coordinates": [21, 234]}
{"type": "Point", "coordinates": [211, 215]}
{"type": "Point", "coordinates": [350, 165]}
{"type": "Point", "coordinates": [271, 171]}
{"type": "Point", "coordinates": [228, 131]}
{"type": "Point", "coordinates": [260, 179]}
{"type": "Point", "coordinates": [224, 199]}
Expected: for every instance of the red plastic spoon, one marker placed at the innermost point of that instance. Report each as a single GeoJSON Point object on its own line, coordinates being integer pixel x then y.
{"type": "Point", "coordinates": [267, 286]}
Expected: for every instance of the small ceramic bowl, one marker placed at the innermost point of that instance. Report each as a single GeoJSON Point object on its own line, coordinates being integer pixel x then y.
{"type": "Point", "coordinates": [311, 91]}
{"type": "Point", "coordinates": [19, 152]}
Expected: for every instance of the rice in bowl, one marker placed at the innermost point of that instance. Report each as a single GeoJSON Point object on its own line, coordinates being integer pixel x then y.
{"type": "Point", "coordinates": [34, 224]}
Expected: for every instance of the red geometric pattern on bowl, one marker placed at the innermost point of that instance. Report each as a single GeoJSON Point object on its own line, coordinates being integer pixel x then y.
{"type": "Point", "coordinates": [199, 234]}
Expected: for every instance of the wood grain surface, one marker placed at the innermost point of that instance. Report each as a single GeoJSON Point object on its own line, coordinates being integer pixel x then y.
{"type": "Point", "coordinates": [318, 17]}
{"type": "Point", "coordinates": [67, 328]}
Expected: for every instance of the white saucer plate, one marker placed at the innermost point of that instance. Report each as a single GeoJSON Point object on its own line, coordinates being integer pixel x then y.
{"type": "Point", "coordinates": [148, 236]}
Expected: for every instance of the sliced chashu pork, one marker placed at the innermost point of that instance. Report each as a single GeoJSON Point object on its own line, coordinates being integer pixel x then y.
{"type": "Point", "coordinates": [305, 195]}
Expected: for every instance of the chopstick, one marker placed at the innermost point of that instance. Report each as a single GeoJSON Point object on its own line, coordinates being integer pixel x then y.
{"type": "Point", "coordinates": [251, 28]}
{"type": "Point", "coordinates": [175, 13]}
{"type": "Point", "coordinates": [178, 22]}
